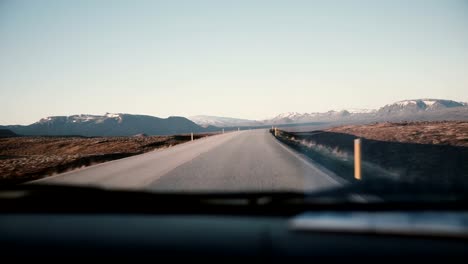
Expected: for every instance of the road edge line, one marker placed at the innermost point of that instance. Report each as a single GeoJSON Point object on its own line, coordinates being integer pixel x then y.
{"type": "Point", "coordinates": [312, 164]}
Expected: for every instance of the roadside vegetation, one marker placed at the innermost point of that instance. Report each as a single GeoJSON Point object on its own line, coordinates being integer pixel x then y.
{"type": "Point", "coordinates": [422, 152]}
{"type": "Point", "coordinates": [24, 159]}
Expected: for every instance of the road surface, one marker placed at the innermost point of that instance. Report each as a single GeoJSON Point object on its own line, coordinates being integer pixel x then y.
{"type": "Point", "coordinates": [251, 160]}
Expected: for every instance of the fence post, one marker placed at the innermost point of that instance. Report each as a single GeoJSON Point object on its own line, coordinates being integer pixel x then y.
{"type": "Point", "coordinates": [357, 159]}
{"type": "Point", "coordinates": [191, 136]}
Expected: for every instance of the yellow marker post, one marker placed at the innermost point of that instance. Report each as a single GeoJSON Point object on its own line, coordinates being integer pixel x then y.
{"type": "Point", "coordinates": [357, 159]}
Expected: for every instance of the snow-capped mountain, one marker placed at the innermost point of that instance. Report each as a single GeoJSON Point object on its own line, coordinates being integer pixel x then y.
{"type": "Point", "coordinates": [359, 110]}
{"type": "Point", "coordinates": [83, 118]}
{"type": "Point", "coordinates": [294, 117]}
{"type": "Point", "coordinates": [109, 125]}
{"type": "Point", "coordinates": [424, 109]}
{"type": "Point", "coordinates": [417, 106]}
{"type": "Point", "coordinates": [205, 121]}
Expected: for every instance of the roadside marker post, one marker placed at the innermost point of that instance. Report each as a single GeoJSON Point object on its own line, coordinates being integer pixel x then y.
{"type": "Point", "coordinates": [357, 159]}
{"type": "Point", "coordinates": [238, 129]}
{"type": "Point", "coordinates": [191, 136]}
{"type": "Point", "coordinates": [223, 130]}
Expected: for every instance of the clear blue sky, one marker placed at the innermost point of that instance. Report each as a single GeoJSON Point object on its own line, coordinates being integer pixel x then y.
{"type": "Point", "coordinates": [247, 59]}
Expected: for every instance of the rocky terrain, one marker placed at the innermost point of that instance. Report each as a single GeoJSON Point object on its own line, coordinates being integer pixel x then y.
{"type": "Point", "coordinates": [29, 158]}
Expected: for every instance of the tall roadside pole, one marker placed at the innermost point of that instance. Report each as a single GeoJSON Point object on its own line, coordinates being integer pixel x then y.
{"type": "Point", "coordinates": [357, 159]}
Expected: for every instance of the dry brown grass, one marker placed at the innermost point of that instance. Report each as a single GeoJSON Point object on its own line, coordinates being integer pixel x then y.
{"type": "Point", "coordinates": [28, 158]}
{"type": "Point", "coordinates": [454, 133]}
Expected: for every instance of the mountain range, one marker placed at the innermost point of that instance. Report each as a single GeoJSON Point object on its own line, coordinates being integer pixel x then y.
{"type": "Point", "coordinates": [109, 125]}
{"type": "Point", "coordinates": [205, 121]}
{"type": "Point", "coordinates": [128, 125]}
{"type": "Point", "coordinates": [406, 110]}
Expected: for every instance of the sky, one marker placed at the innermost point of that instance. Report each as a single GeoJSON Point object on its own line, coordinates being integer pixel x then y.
{"type": "Point", "coordinates": [245, 59]}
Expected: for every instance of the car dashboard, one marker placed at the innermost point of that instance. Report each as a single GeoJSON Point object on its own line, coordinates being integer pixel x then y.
{"type": "Point", "coordinates": [140, 225]}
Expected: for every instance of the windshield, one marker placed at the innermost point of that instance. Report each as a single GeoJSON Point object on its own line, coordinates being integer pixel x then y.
{"type": "Point", "coordinates": [236, 96]}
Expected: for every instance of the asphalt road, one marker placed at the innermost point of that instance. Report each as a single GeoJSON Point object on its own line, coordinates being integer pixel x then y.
{"type": "Point", "coordinates": [250, 160]}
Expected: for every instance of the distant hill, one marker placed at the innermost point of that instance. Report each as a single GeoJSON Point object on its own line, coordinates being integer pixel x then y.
{"type": "Point", "coordinates": [7, 133]}
{"type": "Point", "coordinates": [110, 125]}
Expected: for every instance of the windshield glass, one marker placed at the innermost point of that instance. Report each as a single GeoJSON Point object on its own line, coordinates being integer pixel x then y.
{"type": "Point", "coordinates": [236, 96]}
